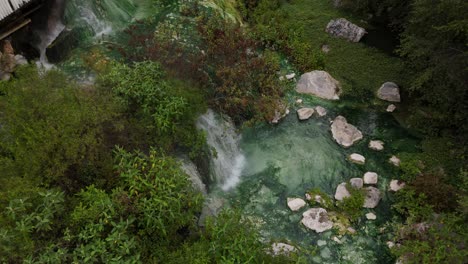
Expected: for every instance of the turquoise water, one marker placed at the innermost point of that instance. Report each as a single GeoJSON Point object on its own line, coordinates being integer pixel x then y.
{"type": "Point", "coordinates": [290, 158]}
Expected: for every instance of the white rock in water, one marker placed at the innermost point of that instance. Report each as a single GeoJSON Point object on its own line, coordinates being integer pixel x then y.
{"type": "Point", "coordinates": [344, 29]}
{"type": "Point", "coordinates": [372, 198]}
{"type": "Point", "coordinates": [371, 177]}
{"type": "Point", "coordinates": [341, 192]}
{"type": "Point", "coordinates": [376, 145]}
{"type": "Point", "coordinates": [395, 161]}
{"type": "Point", "coordinates": [356, 183]}
{"type": "Point", "coordinates": [305, 113]}
{"type": "Point", "coordinates": [389, 91]}
{"type": "Point", "coordinates": [299, 101]}
{"type": "Point", "coordinates": [321, 111]}
{"type": "Point", "coordinates": [344, 133]}
{"type": "Point", "coordinates": [319, 83]}
{"type": "Point", "coordinates": [282, 249]}
{"type": "Point", "coordinates": [396, 185]}
{"type": "Point", "coordinates": [371, 216]}
{"type": "Point", "coordinates": [391, 108]}
{"type": "Point", "coordinates": [296, 203]}
{"type": "Point", "coordinates": [357, 158]}
{"type": "Point", "coordinates": [317, 220]}
{"type": "Point", "coordinates": [290, 76]}
{"type": "Point", "coordinates": [321, 243]}
{"type": "Point", "coordinates": [336, 239]}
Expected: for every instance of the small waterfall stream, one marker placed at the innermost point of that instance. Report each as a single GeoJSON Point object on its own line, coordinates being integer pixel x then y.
{"type": "Point", "coordinates": [228, 161]}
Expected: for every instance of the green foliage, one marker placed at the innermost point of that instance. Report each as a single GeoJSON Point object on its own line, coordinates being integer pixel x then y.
{"type": "Point", "coordinates": [160, 104]}
{"type": "Point", "coordinates": [352, 206]}
{"type": "Point", "coordinates": [325, 200]}
{"type": "Point", "coordinates": [52, 130]}
{"type": "Point", "coordinates": [412, 205]}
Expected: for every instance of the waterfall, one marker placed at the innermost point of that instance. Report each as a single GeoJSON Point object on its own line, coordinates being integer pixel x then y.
{"type": "Point", "coordinates": [99, 27]}
{"type": "Point", "coordinates": [228, 161]}
{"type": "Point", "coordinates": [52, 30]}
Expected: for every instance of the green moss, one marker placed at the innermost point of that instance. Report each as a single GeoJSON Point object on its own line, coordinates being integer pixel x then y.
{"type": "Point", "coordinates": [352, 206]}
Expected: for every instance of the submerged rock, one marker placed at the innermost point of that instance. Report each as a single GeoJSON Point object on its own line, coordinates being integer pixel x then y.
{"type": "Point", "coordinates": [341, 192]}
{"type": "Point", "coordinates": [389, 91]}
{"type": "Point", "coordinates": [282, 249]}
{"type": "Point", "coordinates": [372, 198]}
{"type": "Point", "coordinates": [371, 216]}
{"type": "Point", "coordinates": [357, 158]}
{"type": "Point", "coordinates": [371, 177]}
{"type": "Point", "coordinates": [320, 111]}
{"type": "Point", "coordinates": [342, 28]}
{"type": "Point", "coordinates": [321, 243]}
{"type": "Point", "coordinates": [394, 160]}
{"type": "Point", "coordinates": [356, 183]}
{"type": "Point", "coordinates": [305, 113]}
{"type": "Point", "coordinates": [376, 145]}
{"type": "Point", "coordinates": [344, 133]}
{"type": "Point", "coordinates": [316, 219]}
{"type": "Point", "coordinates": [396, 185]}
{"type": "Point", "coordinates": [319, 83]}
{"type": "Point", "coordinates": [391, 108]}
{"type": "Point", "coordinates": [296, 203]}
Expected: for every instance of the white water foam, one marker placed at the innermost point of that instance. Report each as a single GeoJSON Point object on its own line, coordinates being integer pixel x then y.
{"type": "Point", "coordinates": [228, 161]}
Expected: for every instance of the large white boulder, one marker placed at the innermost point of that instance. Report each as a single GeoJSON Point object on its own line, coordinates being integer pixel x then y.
{"type": "Point", "coordinates": [296, 203]}
{"type": "Point", "coordinates": [376, 145]}
{"type": "Point", "coordinates": [305, 113]}
{"type": "Point", "coordinates": [372, 198]}
{"type": "Point", "coordinates": [396, 185]}
{"type": "Point", "coordinates": [341, 192]}
{"type": "Point", "coordinates": [390, 92]}
{"type": "Point", "coordinates": [342, 28]}
{"type": "Point", "coordinates": [317, 220]}
{"type": "Point", "coordinates": [319, 83]}
{"type": "Point", "coordinates": [357, 158]}
{"type": "Point", "coordinates": [371, 177]}
{"type": "Point", "coordinates": [344, 133]}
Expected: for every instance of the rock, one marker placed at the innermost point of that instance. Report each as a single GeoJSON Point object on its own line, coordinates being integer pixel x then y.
{"type": "Point", "coordinates": [290, 76]}
{"type": "Point", "coordinates": [357, 158]}
{"type": "Point", "coordinates": [8, 63]}
{"type": "Point", "coordinates": [372, 198]}
{"type": "Point", "coordinates": [21, 60]}
{"type": "Point", "coordinates": [394, 160]}
{"type": "Point", "coordinates": [325, 48]}
{"type": "Point", "coordinates": [325, 253]}
{"type": "Point", "coordinates": [296, 203]}
{"type": "Point", "coordinates": [389, 91]}
{"type": "Point", "coordinates": [390, 244]}
{"type": "Point", "coordinates": [342, 28]}
{"type": "Point", "coordinates": [336, 239]}
{"type": "Point", "coordinates": [320, 111]}
{"type": "Point", "coordinates": [351, 230]}
{"type": "Point", "coordinates": [282, 249]}
{"type": "Point", "coordinates": [321, 243]}
{"type": "Point", "coordinates": [356, 183]}
{"type": "Point", "coordinates": [299, 101]}
{"type": "Point", "coordinates": [278, 116]}
{"type": "Point", "coordinates": [305, 113]}
{"type": "Point", "coordinates": [63, 45]}
{"type": "Point", "coordinates": [396, 185]}
{"type": "Point", "coordinates": [317, 220]}
{"type": "Point", "coordinates": [344, 133]}
{"type": "Point", "coordinates": [341, 192]}
{"type": "Point", "coordinates": [8, 48]}
{"type": "Point", "coordinates": [391, 108]}
{"type": "Point", "coordinates": [5, 76]}
{"type": "Point", "coordinates": [371, 216]}
{"type": "Point", "coordinates": [376, 145]}
{"type": "Point", "coordinates": [319, 83]}
{"type": "Point", "coordinates": [371, 177]}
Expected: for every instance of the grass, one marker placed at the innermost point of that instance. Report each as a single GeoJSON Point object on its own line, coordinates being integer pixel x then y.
{"type": "Point", "coordinates": [360, 69]}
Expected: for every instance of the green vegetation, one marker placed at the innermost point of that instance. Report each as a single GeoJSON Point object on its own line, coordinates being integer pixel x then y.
{"type": "Point", "coordinates": [352, 206]}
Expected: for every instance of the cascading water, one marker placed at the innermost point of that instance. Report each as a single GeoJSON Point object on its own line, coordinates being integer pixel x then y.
{"type": "Point", "coordinates": [53, 29]}
{"type": "Point", "coordinates": [228, 161]}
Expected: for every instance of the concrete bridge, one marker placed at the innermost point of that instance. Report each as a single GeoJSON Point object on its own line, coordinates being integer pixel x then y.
{"type": "Point", "coordinates": [14, 15]}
